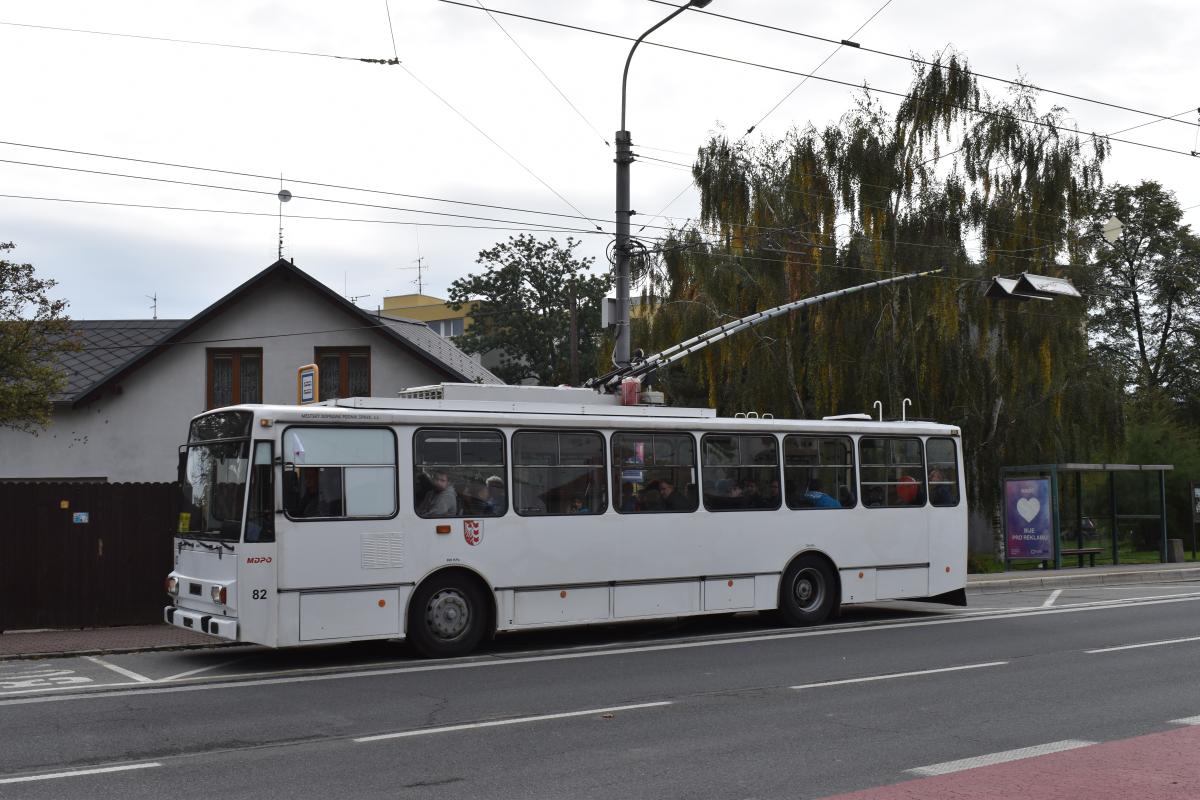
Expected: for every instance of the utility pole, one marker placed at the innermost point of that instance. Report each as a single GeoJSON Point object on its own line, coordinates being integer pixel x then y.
{"type": "Point", "coordinates": [623, 160]}
{"type": "Point", "coordinates": [574, 335]}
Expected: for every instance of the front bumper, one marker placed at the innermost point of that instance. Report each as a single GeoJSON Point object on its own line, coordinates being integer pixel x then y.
{"type": "Point", "coordinates": [201, 622]}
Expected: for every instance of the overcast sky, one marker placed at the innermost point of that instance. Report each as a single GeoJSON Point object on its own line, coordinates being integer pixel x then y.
{"type": "Point", "coordinates": [371, 126]}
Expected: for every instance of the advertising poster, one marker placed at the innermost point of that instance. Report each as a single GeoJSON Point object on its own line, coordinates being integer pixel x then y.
{"type": "Point", "coordinates": [1029, 531]}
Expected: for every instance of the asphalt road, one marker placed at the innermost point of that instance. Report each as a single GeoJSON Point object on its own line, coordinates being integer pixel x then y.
{"type": "Point", "coordinates": [887, 696]}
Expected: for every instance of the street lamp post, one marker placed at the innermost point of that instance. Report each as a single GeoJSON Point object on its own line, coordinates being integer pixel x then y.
{"type": "Point", "coordinates": [624, 159]}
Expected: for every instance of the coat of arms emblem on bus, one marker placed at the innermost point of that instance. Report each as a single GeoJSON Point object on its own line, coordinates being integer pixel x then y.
{"type": "Point", "coordinates": [473, 531]}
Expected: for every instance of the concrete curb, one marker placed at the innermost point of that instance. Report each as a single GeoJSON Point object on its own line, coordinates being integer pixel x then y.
{"type": "Point", "coordinates": [1051, 581]}
{"type": "Point", "coordinates": [113, 651]}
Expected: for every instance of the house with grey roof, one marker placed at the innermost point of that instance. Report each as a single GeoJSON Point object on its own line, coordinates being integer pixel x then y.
{"type": "Point", "coordinates": [133, 385]}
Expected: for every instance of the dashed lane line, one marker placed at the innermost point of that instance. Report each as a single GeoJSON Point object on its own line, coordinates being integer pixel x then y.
{"type": "Point", "coordinates": [947, 767]}
{"type": "Point", "coordinates": [493, 723]}
{"type": "Point", "coordinates": [76, 773]}
{"type": "Point", "coordinates": [1186, 721]}
{"type": "Point", "coordinates": [1050, 600]}
{"type": "Point", "coordinates": [893, 675]}
{"type": "Point", "coordinates": [1140, 645]}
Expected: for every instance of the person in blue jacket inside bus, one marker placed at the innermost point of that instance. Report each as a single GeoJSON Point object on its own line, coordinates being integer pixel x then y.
{"type": "Point", "coordinates": [815, 498]}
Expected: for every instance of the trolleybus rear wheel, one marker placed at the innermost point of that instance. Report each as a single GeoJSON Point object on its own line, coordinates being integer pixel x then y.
{"type": "Point", "coordinates": [807, 592]}
{"type": "Point", "coordinates": [448, 617]}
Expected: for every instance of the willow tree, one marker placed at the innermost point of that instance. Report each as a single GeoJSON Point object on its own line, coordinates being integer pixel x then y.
{"type": "Point", "coordinates": [954, 178]}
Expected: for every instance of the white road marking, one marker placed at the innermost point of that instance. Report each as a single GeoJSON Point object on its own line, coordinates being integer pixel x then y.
{"type": "Point", "coordinates": [198, 670]}
{"type": "Point", "coordinates": [1143, 644]}
{"type": "Point", "coordinates": [514, 721]}
{"type": "Point", "coordinates": [128, 673]}
{"type": "Point", "coordinates": [1186, 721]}
{"type": "Point", "coordinates": [305, 675]}
{"type": "Point", "coordinates": [1050, 600]}
{"type": "Point", "coordinates": [946, 767]}
{"type": "Point", "coordinates": [891, 675]}
{"type": "Point", "coordinates": [42, 677]}
{"type": "Point", "coordinates": [75, 773]}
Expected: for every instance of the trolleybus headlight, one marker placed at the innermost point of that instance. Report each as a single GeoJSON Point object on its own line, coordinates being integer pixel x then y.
{"type": "Point", "coordinates": [218, 594]}
{"type": "Point", "coordinates": [173, 587]}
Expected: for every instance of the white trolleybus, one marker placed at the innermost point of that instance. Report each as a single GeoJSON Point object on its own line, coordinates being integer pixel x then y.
{"type": "Point", "coordinates": [457, 511]}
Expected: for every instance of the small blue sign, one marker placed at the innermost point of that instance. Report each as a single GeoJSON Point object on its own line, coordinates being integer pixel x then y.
{"type": "Point", "coordinates": [80, 518]}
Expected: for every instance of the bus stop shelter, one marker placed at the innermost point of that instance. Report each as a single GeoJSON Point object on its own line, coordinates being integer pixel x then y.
{"type": "Point", "coordinates": [1032, 515]}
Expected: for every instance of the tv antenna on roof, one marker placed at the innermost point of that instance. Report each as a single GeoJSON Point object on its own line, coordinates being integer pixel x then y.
{"type": "Point", "coordinates": [154, 304]}
{"type": "Point", "coordinates": [420, 268]}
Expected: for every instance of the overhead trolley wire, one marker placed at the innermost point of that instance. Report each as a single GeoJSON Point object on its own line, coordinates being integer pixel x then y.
{"type": "Point", "coordinates": [549, 80]}
{"type": "Point", "coordinates": [531, 227]}
{"type": "Point", "coordinates": [839, 45]}
{"type": "Point", "coordinates": [273, 194]}
{"type": "Point", "coordinates": [384, 61]}
{"type": "Point", "coordinates": [478, 129]}
{"type": "Point", "coordinates": [395, 61]}
{"type": "Point", "coordinates": [274, 178]}
{"type": "Point", "coordinates": [916, 60]}
{"type": "Point", "coordinates": [784, 70]}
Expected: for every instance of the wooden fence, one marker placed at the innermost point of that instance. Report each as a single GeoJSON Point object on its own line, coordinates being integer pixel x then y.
{"type": "Point", "coordinates": [83, 555]}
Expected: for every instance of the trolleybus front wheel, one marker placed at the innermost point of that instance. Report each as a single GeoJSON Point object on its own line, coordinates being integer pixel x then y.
{"type": "Point", "coordinates": [447, 617]}
{"type": "Point", "coordinates": [807, 592]}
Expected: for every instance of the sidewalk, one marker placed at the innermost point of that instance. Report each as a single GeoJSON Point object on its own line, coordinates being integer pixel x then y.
{"type": "Point", "coordinates": [97, 641]}
{"type": "Point", "coordinates": [1069, 577]}
{"type": "Point", "coordinates": [138, 638]}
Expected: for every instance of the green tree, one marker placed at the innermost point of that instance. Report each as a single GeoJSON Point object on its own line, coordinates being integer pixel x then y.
{"type": "Point", "coordinates": [876, 195]}
{"type": "Point", "coordinates": [523, 308]}
{"type": "Point", "coordinates": [34, 333]}
{"type": "Point", "coordinates": [1145, 302]}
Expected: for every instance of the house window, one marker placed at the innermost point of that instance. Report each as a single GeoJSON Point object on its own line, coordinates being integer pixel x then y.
{"type": "Point", "coordinates": [234, 376]}
{"type": "Point", "coordinates": [345, 371]}
{"type": "Point", "coordinates": [447, 327]}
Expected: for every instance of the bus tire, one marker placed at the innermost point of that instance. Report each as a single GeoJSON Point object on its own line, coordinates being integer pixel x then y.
{"type": "Point", "coordinates": [448, 616]}
{"type": "Point", "coordinates": [807, 593]}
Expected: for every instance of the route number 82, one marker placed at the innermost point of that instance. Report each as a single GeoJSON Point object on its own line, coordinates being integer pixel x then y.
{"type": "Point", "coordinates": [258, 594]}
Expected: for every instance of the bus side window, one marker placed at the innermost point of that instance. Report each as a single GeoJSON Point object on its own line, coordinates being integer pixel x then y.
{"type": "Point", "coordinates": [741, 472]}
{"type": "Point", "coordinates": [892, 472]}
{"type": "Point", "coordinates": [818, 471]}
{"type": "Point", "coordinates": [339, 473]}
{"type": "Point", "coordinates": [559, 472]}
{"type": "Point", "coordinates": [654, 472]}
{"type": "Point", "coordinates": [458, 473]}
{"type": "Point", "coordinates": [943, 472]}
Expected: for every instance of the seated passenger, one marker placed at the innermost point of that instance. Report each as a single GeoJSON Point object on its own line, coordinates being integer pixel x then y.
{"type": "Point", "coordinates": [670, 499]}
{"type": "Point", "coordinates": [815, 498]}
{"type": "Point", "coordinates": [441, 500]}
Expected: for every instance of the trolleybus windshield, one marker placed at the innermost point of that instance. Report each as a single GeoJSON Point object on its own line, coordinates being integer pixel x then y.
{"type": "Point", "coordinates": [213, 477]}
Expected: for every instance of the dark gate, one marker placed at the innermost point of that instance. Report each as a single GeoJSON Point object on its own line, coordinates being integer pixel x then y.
{"type": "Point", "coordinates": [59, 571]}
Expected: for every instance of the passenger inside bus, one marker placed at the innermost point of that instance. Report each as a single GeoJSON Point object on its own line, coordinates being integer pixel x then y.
{"type": "Point", "coordinates": [313, 492]}
{"type": "Point", "coordinates": [440, 499]}
{"type": "Point", "coordinates": [815, 498]}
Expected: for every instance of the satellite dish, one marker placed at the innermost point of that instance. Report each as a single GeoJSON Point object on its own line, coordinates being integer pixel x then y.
{"type": "Point", "coordinates": [284, 195]}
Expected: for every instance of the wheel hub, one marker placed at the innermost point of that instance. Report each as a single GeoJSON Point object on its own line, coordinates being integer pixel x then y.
{"type": "Point", "coordinates": [448, 615]}
{"type": "Point", "coordinates": [808, 589]}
